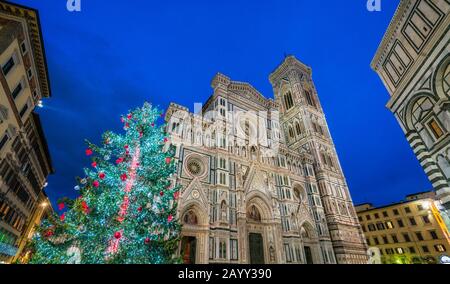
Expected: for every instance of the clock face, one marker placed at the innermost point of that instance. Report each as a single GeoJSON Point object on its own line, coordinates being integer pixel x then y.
{"type": "Point", "coordinates": [195, 194]}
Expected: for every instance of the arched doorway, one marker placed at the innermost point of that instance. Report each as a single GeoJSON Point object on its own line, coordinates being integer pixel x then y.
{"type": "Point", "coordinates": [188, 250]}
{"type": "Point", "coordinates": [310, 243]}
{"type": "Point", "coordinates": [255, 239]}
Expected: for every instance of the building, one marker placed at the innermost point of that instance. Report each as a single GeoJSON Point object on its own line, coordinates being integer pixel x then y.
{"type": "Point", "coordinates": [413, 61]}
{"type": "Point", "coordinates": [42, 211]}
{"type": "Point", "coordinates": [261, 179]}
{"type": "Point", "coordinates": [407, 232]}
{"type": "Point", "coordinates": [24, 157]}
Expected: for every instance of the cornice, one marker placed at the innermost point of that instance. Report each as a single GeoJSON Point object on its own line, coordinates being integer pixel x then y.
{"type": "Point", "coordinates": [391, 33]}
{"type": "Point", "coordinates": [33, 27]}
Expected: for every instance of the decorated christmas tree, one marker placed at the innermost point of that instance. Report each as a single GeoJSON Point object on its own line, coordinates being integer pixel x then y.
{"type": "Point", "coordinates": [127, 205]}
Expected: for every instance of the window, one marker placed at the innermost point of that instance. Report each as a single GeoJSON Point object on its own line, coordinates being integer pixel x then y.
{"type": "Point", "coordinates": [412, 221]}
{"type": "Point", "coordinates": [433, 235]}
{"type": "Point", "coordinates": [419, 236]}
{"type": "Point", "coordinates": [222, 178]}
{"type": "Point", "coordinates": [426, 219]}
{"type": "Point", "coordinates": [375, 239]}
{"type": "Point", "coordinates": [360, 218]}
{"type": "Point", "coordinates": [371, 227]}
{"type": "Point", "coordinates": [309, 99]}
{"type": "Point", "coordinates": [377, 216]}
{"type": "Point", "coordinates": [412, 250]}
{"type": "Point", "coordinates": [23, 47]}
{"type": "Point", "coordinates": [385, 214]}
{"type": "Point", "coordinates": [407, 210]}
{"type": "Point", "coordinates": [363, 228]}
{"type": "Point", "coordinates": [368, 242]}
{"type": "Point", "coordinates": [288, 100]}
{"type": "Point", "coordinates": [24, 110]}
{"type": "Point", "coordinates": [222, 163]}
{"type": "Point", "coordinates": [420, 207]}
{"type": "Point", "coordinates": [440, 248]}
{"type": "Point", "coordinates": [406, 237]}
{"type": "Point", "coordinates": [298, 129]}
{"type": "Point", "coordinates": [222, 249]}
{"type": "Point", "coordinates": [287, 252]}
{"type": "Point", "coordinates": [389, 251]}
{"type": "Point", "coordinates": [399, 250]}
{"type": "Point", "coordinates": [394, 238]}
{"type": "Point", "coordinates": [380, 226]}
{"type": "Point", "coordinates": [17, 90]}
{"type": "Point", "coordinates": [389, 225]}
{"type": "Point", "coordinates": [385, 240]}
{"type": "Point", "coordinates": [211, 248]}
{"type": "Point", "coordinates": [29, 73]}
{"type": "Point", "coordinates": [395, 212]}
{"type": "Point", "coordinates": [234, 249]}
{"type": "Point", "coordinates": [4, 140]}
{"type": "Point", "coordinates": [8, 66]}
{"type": "Point", "coordinates": [435, 129]}
{"type": "Point", "coordinates": [368, 217]}
{"type": "Point", "coordinates": [425, 249]}
{"type": "Point", "coordinates": [400, 223]}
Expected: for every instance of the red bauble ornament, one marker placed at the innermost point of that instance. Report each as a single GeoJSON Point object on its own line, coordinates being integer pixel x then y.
{"type": "Point", "coordinates": [153, 124]}
{"type": "Point", "coordinates": [176, 195]}
{"type": "Point", "coordinates": [170, 218]}
{"type": "Point", "coordinates": [117, 235]}
{"type": "Point", "coordinates": [165, 139]}
{"type": "Point", "coordinates": [140, 209]}
{"type": "Point", "coordinates": [63, 217]}
{"type": "Point", "coordinates": [124, 177]}
{"type": "Point", "coordinates": [94, 164]}
{"type": "Point", "coordinates": [96, 183]}
{"type": "Point", "coordinates": [141, 134]}
{"type": "Point", "coordinates": [126, 146]}
{"type": "Point", "coordinates": [85, 207]}
{"type": "Point", "coordinates": [49, 233]}
{"type": "Point", "coordinates": [119, 160]}
{"type": "Point", "coordinates": [88, 152]}
{"type": "Point", "coordinates": [101, 175]}
{"type": "Point", "coordinates": [168, 160]}
{"type": "Point", "coordinates": [147, 240]}
{"type": "Point", "coordinates": [61, 206]}
{"type": "Point", "coordinates": [129, 116]}
{"type": "Point", "coordinates": [161, 193]}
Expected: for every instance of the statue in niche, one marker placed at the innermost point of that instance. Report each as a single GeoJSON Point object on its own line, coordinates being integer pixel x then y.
{"type": "Point", "coordinates": [272, 254]}
{"type": "Point", "coordinates": [223, 210]}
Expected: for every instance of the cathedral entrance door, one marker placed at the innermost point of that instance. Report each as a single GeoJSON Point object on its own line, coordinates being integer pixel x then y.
{"type": "Point", "coordinates": [256, 248]}
{"type": "Point", "coordinates": [188, 249]}
{"type": "Point", "coordinates": [308, 255]}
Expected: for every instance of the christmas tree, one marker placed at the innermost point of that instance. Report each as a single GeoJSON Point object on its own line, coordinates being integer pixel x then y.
{"type": "Point", "coordinates": [127, 207]}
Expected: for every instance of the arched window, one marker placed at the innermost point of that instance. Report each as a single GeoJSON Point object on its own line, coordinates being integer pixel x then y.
{"type": "Point", "coordinates": [291, 132]}
{"type": "Point", "coordinates": [288, 100]}
{"type": "Point", "coordinates": [298, 129]}
{"type": "Point", "coordinates": [309, 99]}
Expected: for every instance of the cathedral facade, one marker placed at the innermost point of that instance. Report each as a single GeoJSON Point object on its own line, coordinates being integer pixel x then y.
{"type": "Point", "coordinates": [261, 179]}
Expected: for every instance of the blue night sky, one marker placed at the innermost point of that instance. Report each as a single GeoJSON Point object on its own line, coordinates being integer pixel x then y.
{"type": "Point", "coordinates": [114, 55]}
